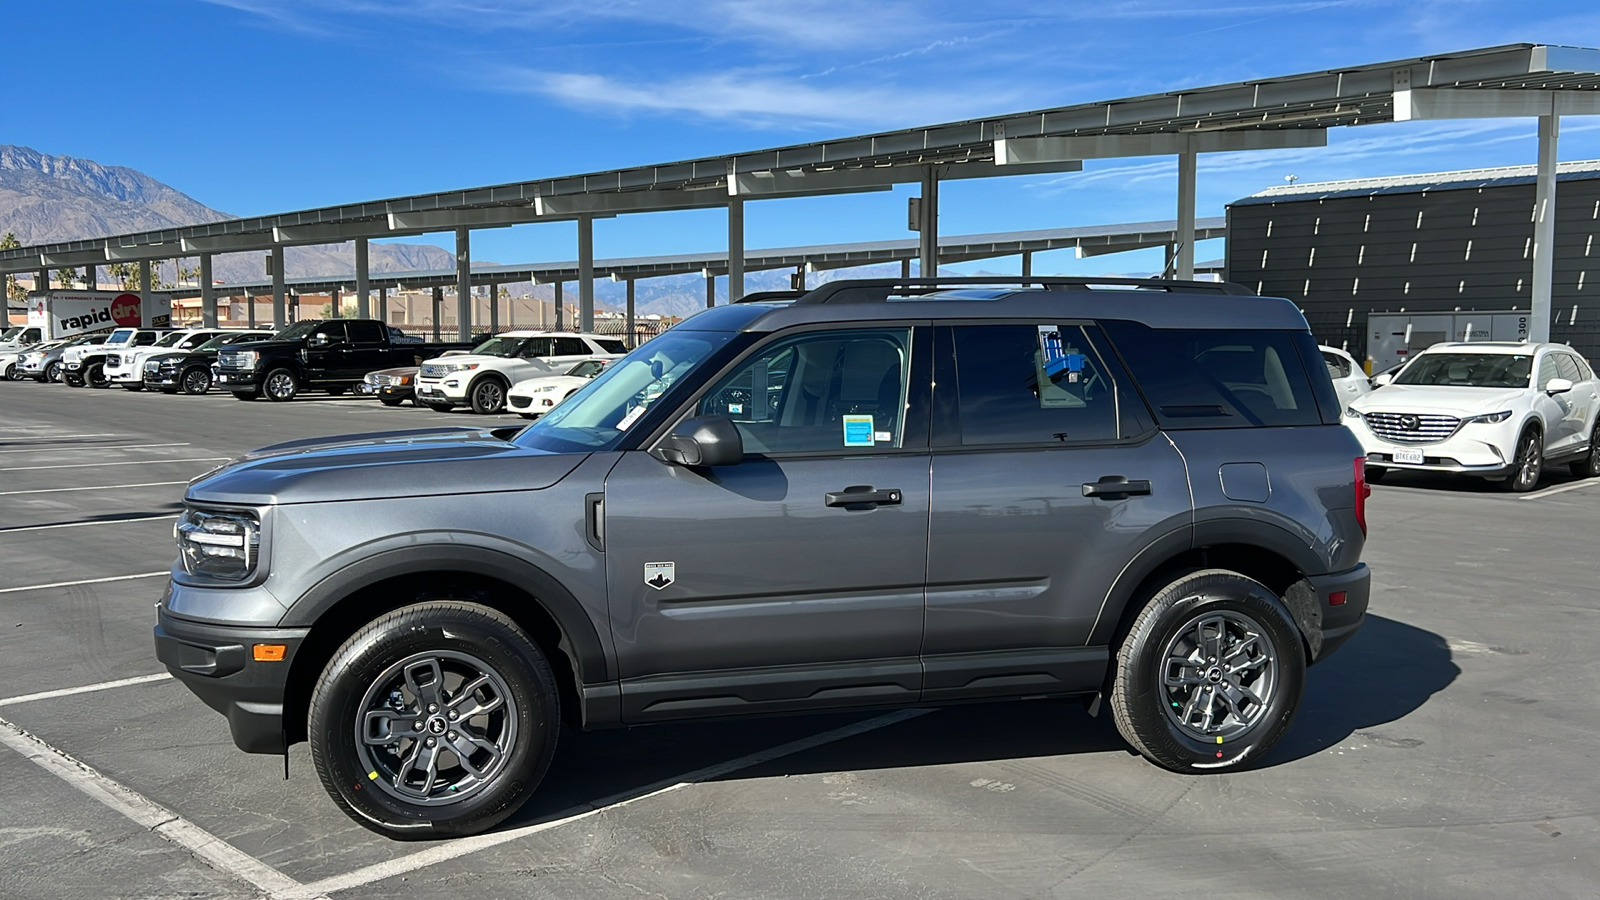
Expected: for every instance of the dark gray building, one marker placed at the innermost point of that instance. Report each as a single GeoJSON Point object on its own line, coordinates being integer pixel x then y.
{"type": "Point", "coordinates": [1432, 243]}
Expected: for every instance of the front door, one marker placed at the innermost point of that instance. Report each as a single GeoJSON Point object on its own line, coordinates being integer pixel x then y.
{"type": "Point", "coordinates": [793, 580]}
{"type": "Point", "coordinates": [1047, 475]}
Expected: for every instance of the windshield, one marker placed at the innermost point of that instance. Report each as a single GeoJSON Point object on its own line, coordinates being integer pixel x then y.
{"type": "Point", "coordinates": [1491, 370]}
{"type": "Point", "coordinates": [120, 336]}
{"type": "Point", "coordinates": [170, 339]}
{"type": "Point", "coordinates": [596, 417]}
{"type": "Point", "coordinates": [299, 330]}
{"type": "Point", "coordinates": [499, 346]}
{"type": "Point", "coordinates": [589, 368]}
{"type": "Point", "coordinates": [11, 333]}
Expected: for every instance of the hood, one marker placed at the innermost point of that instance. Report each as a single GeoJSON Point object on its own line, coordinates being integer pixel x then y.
{"type": "Point", "coordinates": [266, 345]}
{"type": "Point", "coordinates": [382, 465]}
{"type": "Point", "coordinates": [1422, 398]}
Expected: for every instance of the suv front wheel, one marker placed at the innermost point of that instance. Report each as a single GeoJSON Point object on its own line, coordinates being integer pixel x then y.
{"type": "Point", "coordinates": [435, 720]}
{"type": "Point", "coordinates": [1210, 674]}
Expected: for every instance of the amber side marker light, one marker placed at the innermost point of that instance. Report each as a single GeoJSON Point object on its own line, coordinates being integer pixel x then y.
{"type": "Point", "coordinates": [270, 652]}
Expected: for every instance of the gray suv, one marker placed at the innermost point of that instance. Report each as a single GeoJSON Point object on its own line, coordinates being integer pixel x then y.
{"type": "Point", "coordinates": [880, 493]}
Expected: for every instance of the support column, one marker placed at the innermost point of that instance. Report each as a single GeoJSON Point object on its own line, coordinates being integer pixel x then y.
{"type": "Point", "coordinates": [250, 308]}
{"type": "Point", "coordinates": [1544, 229]}
{"type": "Point", "coordinates": [561, 314]}
{"type": "Point", "coordinates": [144, 291]}
{"type": "Point", "coordinates": [928, 234]}
{"type": "Point", "coordinates": [586, 274]}
{"type": "Point", "coordinates": [42, 282]}
{"type": "Point", "coordinates": [463, 284]}
{"type": "Point", "coordinates": [383, 305]}
{"type": "Point", "coordinates": [711, 289]}
{"type": "Point", "coordinates": [1187, 160]}
{"type": "Point", "coordinates": [494, 308]}
{"type": "Point", "coordinates": [633, 338]}
{"type": "Point", "coordinates": [438, 306]}
{"type": "Point", "coordinates": [905, 268]}
{"type": "Point", "coordinates": [90, 282]}
{"type": "Point", "coordinates": [280, 319]}
{"type": "Point", "coordinates": [1027, 264]}
{"type": "Point", "coordinates": [800, 277]}
{"type": "Point", "coordinates": [363, 305]}
{"type": "Point", "coordinates": [335, 307]}
{"type": "Point", "coordinates": [735, 248]}
{"type": "Point", "coordinates": [208, 293]}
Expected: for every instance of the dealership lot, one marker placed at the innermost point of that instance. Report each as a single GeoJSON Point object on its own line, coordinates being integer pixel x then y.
{"type": "Point", "coordinates": [1448, 749]}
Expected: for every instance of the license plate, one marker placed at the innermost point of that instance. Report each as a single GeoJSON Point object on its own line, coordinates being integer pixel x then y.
{"type": "Point", "coordinates": [1408, 456]}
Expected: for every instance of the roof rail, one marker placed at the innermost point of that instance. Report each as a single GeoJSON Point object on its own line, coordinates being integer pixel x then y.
{"type": "Point", "coordinates": [759, 296]}
{"type": "Point", "coordinates": [879, 290]}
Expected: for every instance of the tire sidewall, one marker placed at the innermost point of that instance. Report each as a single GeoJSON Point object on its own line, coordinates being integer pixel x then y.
{"type": "Point", "coordinates": [183, 380]}
{"type": "Point", "coordinates": [1170, 612]}
{"type": "Point", "coordinates": [336, 703]}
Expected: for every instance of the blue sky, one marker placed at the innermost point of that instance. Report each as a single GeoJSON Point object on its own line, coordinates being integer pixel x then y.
{"type": "Point", "coordinates": [260, 106]}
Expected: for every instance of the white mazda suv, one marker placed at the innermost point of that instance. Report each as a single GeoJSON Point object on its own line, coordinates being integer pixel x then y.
{"type": "Point", "coordinates": [1501, 411]}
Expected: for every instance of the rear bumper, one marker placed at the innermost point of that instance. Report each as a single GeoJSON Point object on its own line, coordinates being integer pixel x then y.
{"type": "Point", "coordinates": [216, 663]}
{"type": "Point", "coordinates": [1340, 622]}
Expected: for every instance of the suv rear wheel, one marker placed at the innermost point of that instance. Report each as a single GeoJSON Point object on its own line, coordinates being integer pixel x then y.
{"type": "Point", "coordinates": [1211, 673]}
{"type": "Point", "coordinates": [437, 719]}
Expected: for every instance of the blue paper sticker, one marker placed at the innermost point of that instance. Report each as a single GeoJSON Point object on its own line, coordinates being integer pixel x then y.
{"type": "Point", "coordinates": [858, 431]}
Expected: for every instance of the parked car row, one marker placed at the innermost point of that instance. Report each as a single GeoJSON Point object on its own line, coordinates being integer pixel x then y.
{"type": "Point", "coordinates": [532, 370]}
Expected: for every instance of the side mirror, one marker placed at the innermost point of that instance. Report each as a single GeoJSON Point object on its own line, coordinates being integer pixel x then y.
{"type": "Point", "coordinates": [702, 441]}
{"type": "Point", "coordinates": [1557, 386]}
{"type": "Point", "coordinates": [320, 340]}
{"type": "Point", "coordinates": [1382, 379]}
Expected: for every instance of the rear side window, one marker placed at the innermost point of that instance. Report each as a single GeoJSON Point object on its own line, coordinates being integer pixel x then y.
{"type": "Point", "coordinates": [1338, 366]}
{"type": "Point", "coordinates": [364, 332]}
{"type": "Point", "coordinates": [566, 346]}
{"type": "Point", "coordinates": [1032, 384]}
{"type": "Point", "coordinates": [611, 346]}
{"type": "Point", "coordinates": [1221, 378]}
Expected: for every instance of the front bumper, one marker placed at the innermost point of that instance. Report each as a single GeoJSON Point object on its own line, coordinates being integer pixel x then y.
{"type": "Point", "coordinates": [123, 376]}
{"type": "Point", "coordinates": [536, 404]}
{"type": "Point", "coordinates": [439, 390]}
{"type": "Point", "coordinates": [1340, 622]}
{"type": "Point", "coordinates": [216, 662]}
{"type": "Point", "coordinates": [385, 391]}
{"type": "Point", "coordinates": [236, 380]}
{"type": "Point", "coordinates": [1474, 449]}
{"type": "Point", "coordinates": [160, 379]}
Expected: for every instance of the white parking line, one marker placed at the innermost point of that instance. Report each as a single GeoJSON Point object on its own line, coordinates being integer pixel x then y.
{"type": "Point", "coordinates": [85, 524]}
{"type": "Point", "coordinates": [61, 437]}
{"type": "Point", "coordinates": [1561, 489]}
{"type": "Point", "coordinates": [146, 813]}
{"type": "Point", "coordinates": [463, 846]}
{"type": "Point", "coordinates": [136, 462]}
{"type": "Point", "coordinates": [117, 447]}
{"type": "Point", "coordinates": [98, 487]}
{"type": "Point", "coordinates": [60, 584]}
{"type": "Point", "coordinates": [85, 689]}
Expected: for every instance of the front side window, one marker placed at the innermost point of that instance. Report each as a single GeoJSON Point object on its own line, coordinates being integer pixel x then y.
{"type": "Point", "coordinates": [1338, 366]}
{"type": "Point", "coordinates": [537, 347]}
{"type": "Point", "coordinates": [1494, 370]}
{"type": "Point", "coordinates": [333, 331]}
{"type": "Point", "coordinates": [833, 391]}
{"type": "Point", "coordinates": [1567, 367]}
{"type": "Point", "coordinates": [144, 338]}
{"type": "Point", "coordinates": [1032, 384]}
{"type": "Point", "coordinates": [500, 346]}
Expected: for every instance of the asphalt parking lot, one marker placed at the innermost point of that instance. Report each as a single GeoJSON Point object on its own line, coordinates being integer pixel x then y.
{"type": "Point", "coordinates": [1448, 750]}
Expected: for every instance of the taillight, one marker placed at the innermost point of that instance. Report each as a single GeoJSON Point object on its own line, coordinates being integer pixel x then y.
{"type": "Point", "coordinates": [1363, 491]}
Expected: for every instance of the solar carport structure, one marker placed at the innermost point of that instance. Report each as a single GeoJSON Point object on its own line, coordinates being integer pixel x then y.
{"type": "Point", "coordinates": [1526, 80]}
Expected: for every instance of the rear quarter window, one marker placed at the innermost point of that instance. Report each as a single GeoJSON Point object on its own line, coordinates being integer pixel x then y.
{"type": "Point", "coordinates": [1227, 378]}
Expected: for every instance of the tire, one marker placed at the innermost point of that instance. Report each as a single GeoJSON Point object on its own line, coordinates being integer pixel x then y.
{"type": "Point", "coordinates": [488, 396]}
{"type": "Point", "coordinates": [379, 684]}
{"type": "Point", "coordinates": [72, 380]}
{"type": "Point", "coordinates": [246, 395]}
{"type": "Point", "coordinates": [94, 375]}
{"type": "Point", "coordinates": [1376, 476]}
{"type": "Point", "coordinates": [336, 390]}
{"type": "Point", "coordinates": [52, 372]}
{"type": "Point", "coordinates": [11, 372]}
{"type": "Point", "coordinates": [391, 401]}
{"type": "Point", "coordinates": [280, 386]}
{"type": "Point", "coordinates": [195, 380]}
{"type": "Point", "coordinates": [1589, 466]}
{"type": "Point", "coordinates": [1162, 718]}
{"type": "Point", "coordinates": [1529, 463]}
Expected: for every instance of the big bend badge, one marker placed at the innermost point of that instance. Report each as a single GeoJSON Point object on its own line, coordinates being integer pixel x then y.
{"type": "Point", "coordinates": [660, 574]}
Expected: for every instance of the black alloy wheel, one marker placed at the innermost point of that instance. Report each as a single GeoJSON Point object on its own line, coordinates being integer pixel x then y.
{"type": "Point", "coordinates": [1529, 464]}
{"type": "Point", "coordinates": [94, 375]}
{"type": "Point", "coordinates": [195, 380]}
{"type": "Point", "coordinates": [488, 396]}
{"type": "Point", "coordinates": [1589, 466]}
{"type": "Point", "coordinates": [1210, 674]}
{"type": "Point", "coordinates": [280, 386]}
{"type": "Point", "coordinates": [438, 719]}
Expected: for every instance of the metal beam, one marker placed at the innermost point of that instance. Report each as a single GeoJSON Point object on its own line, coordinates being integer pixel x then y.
{"type": "Point", "coordinates": [328, 234]}
{"type": "Point", "coordinates": [608, 204]}
{"type": "Point", "coordinates": [735, 248]}
{"type": "Point", "coordinates": [586, 273]}
{"type": "Point", "coordinates": [76, 258]}
{"type": "Point", "coordinates": [463, 284]}
{"type": "Point", "coordinates": [443, 220]}
{"type": "Point", "coordinates": [208, 293]}
{"type": "Point", "coordinates": [1413, 104]}
{"type": "Point", "coordinates": [928, 225]}
{"type": "Point", "coordinates": [1037, 150]}
{"type": "Point", "coordinates": [1187, 159]}
{"type": "Point", "coordinates": [561, 313]}
{"type": "Point", "coordinates": [1544, 229]}
{"type": "Point", "coordinates": [438, 307]}
{"type": "Point", "coordinates": [149, 251]}
{"type": "Point", "coordinates": [363, 306]}
{"type": "Point", "coordinates": [226, 243]}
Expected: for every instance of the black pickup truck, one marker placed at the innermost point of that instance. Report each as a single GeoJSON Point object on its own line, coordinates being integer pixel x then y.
{"type": "Point", "coordinates": [327, 354]}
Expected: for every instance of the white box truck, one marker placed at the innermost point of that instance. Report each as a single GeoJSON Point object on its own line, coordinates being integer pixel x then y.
{"type": "Point", "coordinates": [61, 314]}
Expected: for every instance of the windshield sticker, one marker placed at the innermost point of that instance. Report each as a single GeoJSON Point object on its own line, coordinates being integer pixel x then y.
{"type": "Point", "coordinates": [735, 408]}
{"type": "Point", "coordinates": [632, 417]}
{"type": "Point", "coordinates": [858, 431]}
{"type": "Point", "coordinates": [882, 436]}
{"type": "Point", "coordinates": [660, 575]}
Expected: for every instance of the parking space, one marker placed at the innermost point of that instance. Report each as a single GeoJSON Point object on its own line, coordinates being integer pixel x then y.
{"type": "Point", "coordinates": [1447, 749]}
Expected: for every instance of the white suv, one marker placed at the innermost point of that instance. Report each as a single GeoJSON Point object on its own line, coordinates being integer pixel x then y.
{"type": "Point", "coordinates": [482, 377]}
{"type": "Point", "coordinates": [126, 367]}
{"type": "Point", "coordinates": [1497, 410]}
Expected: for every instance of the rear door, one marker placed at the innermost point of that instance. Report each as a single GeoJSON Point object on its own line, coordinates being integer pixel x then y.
{"type": "Point", "coordinates": [369, 346]}
{"type": "Point", "coordinates": [1048, 475]}
{"type": "Point", "coordinates": [793, 580]}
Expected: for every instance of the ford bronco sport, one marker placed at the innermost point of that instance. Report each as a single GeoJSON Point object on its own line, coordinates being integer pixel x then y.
{"type": "Point", "coordinates": [877, 493]}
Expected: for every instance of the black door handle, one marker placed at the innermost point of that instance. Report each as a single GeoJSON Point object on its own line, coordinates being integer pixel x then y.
{"type": "Point", "coordinates": [862, 496]}
{"type": "Point", "coordinates": [1114, 487]}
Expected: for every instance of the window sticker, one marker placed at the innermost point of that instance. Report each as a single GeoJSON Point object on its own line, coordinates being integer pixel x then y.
{"type": "Point", "coordinates": [632, 417]}
{"type": "Point", "coordinates": [858, 431]}
{"type": "Point", "coordinates": [1059, 368]}
{"type": "Point", "coordinates": [883, 436]}
{"type": "Point", "coordinates": [735, 408]}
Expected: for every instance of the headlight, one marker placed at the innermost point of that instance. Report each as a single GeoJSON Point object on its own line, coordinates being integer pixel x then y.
{"type": "Point", "coordinates": [1353, 413]}
{"type": "Point", "coordinates": [218, 545]}
{"type": "Point", "coordinates": [460, 367]}
{"type": "Point", "coordinates": [1488, 418]}
{"type": "Point", "coordinates": [403, 379]}
{"type": "Point", "coordinates": [247, 358]}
